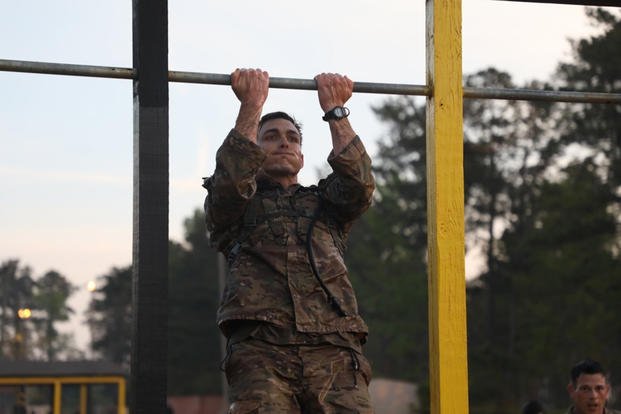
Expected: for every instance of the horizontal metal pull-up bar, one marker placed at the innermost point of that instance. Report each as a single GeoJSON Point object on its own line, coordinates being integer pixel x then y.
{"type": "Point", "coordinates": [301, 84]}
{"type": "Point", "coordinates": [309, 84]}
{"type": "Point", "coordinates": [542, 95]}
{"type": "Point", "coordinates": [197, 77]}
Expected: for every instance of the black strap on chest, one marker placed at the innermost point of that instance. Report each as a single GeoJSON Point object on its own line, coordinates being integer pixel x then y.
{"type": "Point", "coordinates": [252, 218]}
{"type": "Point", "coordinates": [251, 221]}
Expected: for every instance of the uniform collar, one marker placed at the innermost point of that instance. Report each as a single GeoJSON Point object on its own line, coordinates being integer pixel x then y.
{"type": "Point", "coordinates": [266, 183]}
{"type": "Point", "coordinates": [606, 410]}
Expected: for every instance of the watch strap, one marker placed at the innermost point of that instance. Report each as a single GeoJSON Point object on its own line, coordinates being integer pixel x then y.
{"type": "Point", "coordinates": [342, 112]}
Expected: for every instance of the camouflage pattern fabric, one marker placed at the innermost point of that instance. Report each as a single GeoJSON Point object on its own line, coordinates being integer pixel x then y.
{"type": "Point", "coordinates": [277, 335]}
{"type": "Point", "coordinates": [263, 229]}
{"type": "Point", "coordinates": [291, 349]}
{"type": "Point", "coordinates": [274, 379]}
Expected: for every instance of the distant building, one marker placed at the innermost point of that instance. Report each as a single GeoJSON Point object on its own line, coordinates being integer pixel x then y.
{"type": "Point", "coordinates": [394, 397]}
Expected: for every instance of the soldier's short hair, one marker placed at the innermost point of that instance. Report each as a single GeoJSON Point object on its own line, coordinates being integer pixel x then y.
{"type": "Point", "coordinates": [281, 115]}
{"type": "Point", "coordinates": [587, 366]}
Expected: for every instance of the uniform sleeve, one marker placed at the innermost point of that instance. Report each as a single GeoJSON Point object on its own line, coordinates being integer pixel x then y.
{"type": "Point", "coordinates": [349, 189]}
{"type": "Point", "coordinates": [233, 183]}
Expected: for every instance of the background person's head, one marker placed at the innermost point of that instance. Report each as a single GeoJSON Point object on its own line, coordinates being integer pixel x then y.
{"type": "Point", "coordinates": [532, 407]}
{"type": "Point", "coordinates": [588, 387]}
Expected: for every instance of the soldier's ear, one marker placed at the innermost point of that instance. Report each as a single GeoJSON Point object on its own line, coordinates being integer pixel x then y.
{"type": "Point", "coordinates": [607, 390]}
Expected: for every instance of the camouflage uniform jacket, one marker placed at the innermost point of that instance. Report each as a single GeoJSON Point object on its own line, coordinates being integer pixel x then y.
{"type": "Point", "coordinates": [262, 228]}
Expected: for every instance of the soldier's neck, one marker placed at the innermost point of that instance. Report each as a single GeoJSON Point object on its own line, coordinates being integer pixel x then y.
{"type": "Point", "coordinates": [285, 181]}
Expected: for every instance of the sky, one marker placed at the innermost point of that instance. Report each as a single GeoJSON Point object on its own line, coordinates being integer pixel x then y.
{"type": "Point", "coordinates": [66, 157]}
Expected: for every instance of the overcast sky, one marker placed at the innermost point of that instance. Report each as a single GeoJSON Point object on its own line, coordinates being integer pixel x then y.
{"type": "Point", "coordinates": [66, 158]}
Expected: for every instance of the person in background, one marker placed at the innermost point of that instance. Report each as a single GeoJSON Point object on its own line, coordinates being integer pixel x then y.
{"type": "Point", "coordinates": [589, 389]}
{"type": "Point", "coordinates": [532, 407]}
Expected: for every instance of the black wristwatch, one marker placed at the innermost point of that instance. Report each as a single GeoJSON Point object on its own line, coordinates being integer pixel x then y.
{"type": "Point", "coordinates": [336, 113]}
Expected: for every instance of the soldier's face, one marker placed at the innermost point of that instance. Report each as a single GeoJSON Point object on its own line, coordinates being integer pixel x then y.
{"type": "Point", "coordinates": [281, 142]}
{"type": "Point", "coordinates": [590, 393]}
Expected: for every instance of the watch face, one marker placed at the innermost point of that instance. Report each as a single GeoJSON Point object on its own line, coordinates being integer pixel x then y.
{"type": "Point", "coordinates": [336, 113]}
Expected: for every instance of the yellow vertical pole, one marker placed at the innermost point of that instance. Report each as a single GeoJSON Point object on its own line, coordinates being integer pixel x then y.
{"type": "Point", "coordinates": [57, 396]}
{"type": "Point", "coordinates": [83, 398]}
{"type": "Point", "coordinates": [121, 397]}
{"type": "Point", "coordinates": [448, 365]}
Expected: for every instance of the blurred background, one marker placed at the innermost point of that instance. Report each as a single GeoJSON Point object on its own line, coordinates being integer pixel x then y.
{"type": "Point", "coordinates": [542, 187]}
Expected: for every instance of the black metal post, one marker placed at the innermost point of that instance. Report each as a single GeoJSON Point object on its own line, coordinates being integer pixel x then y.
{"type": "Point", "coordinates": [150, 228]}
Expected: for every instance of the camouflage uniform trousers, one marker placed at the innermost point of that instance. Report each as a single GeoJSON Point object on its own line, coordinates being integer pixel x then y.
{"type": "Point", "coordinates": [296, 379]}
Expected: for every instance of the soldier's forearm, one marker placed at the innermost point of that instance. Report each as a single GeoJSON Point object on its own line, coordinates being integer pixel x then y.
{"type": "Point", "coordinates": [342, 134]}
{"type": "Point", "coordinates": [248, 121]}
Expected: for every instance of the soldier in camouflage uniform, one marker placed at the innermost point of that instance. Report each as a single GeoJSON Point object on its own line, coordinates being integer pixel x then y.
{"type": "Point", "coordinates": [288, 309]}
{"type": "Point", "coordinates": [589, 389]}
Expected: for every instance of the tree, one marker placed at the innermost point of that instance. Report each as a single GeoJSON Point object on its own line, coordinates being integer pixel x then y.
{"type": "Point", "coordinates": [509, 147]}
{"type": "Point", "coordinates": [386, 249]}
{"type": "Point", "coordinates": [567, 275]}
{"type": "Point", "coordinates": [596, 67]}
{"type": "Point", "coordinates": [30, 310]}
{"type": "Point", "coordinates": [17, 287]}
{"type": "Point", "coordinates": [193, 294]}
{"type": "Point", "coordinates": [51, 295]}
{"type": "Point", "coordinates": [109, 316]}
{"type": "Point", "coordinates": [547, 227]}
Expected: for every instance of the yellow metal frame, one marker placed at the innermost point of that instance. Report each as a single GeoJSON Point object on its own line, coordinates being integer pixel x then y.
{"type": "Point", "coordinates": [57, 383]}
{"type": "Point", "coordinates": [448, 361]}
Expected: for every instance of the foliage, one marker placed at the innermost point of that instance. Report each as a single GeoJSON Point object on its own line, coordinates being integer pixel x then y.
{"type": "Point", "coordinates": [386, 250]}
{"type": "Point", "coordinates": [52, 292]}
{"type": "Point", "coordinates": [33, 334]}
{"type": "Point", "coordinates": [542, 206]}
{"type": "Point", "coordinates": [193, 338]}
{"type": "Point", "coordinates": [596, 67]}
{"type": "Point", "coordinates": [109, 316]}
{"type": "Point", "coordinates": [17, 287]}
{"type": "Point", "coordinates": [564, 280]}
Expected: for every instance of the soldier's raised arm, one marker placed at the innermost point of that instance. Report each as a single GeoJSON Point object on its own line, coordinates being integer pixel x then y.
{"type": "Point", "coordinates": [334, 90]}
{"type": "Point", "coordinates": [251, 87]}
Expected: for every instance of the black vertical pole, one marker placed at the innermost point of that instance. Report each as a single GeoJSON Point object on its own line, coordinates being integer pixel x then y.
{"type": "Point", "coordinates": [150, 228]}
